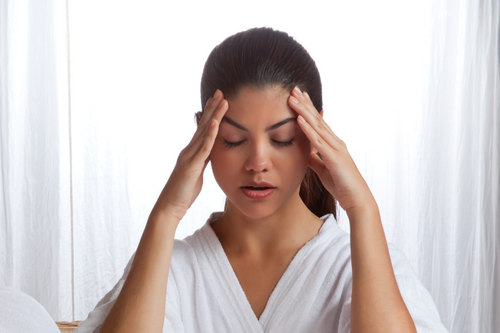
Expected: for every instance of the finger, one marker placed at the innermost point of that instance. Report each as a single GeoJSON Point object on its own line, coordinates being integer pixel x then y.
{"type": "Point", "coordinates": [212, 104]}
{"type": "Point", "coordinates": [318, 142]}
{"type": "Point", "coordinates": [203, 143]}
{"type": "Point", "coordinates": [217, 114]}
{"type": "Point", "coordinates": [220, 111]}
{"type": "Point", "coordinates": [205, 148]}
{"type": "Point", "coordinates": [301, 103]}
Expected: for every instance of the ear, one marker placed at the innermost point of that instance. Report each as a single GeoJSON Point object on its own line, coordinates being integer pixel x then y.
{"type": "Point", "coordinates": [321, 113]}
{"type": "Point", "coordinates": [198, 117]}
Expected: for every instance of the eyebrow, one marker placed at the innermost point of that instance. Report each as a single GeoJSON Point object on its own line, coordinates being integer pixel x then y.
{"type": "Point", "coordinates": [269, 128]}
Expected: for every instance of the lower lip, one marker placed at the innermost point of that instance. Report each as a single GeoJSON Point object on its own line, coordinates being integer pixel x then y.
{"type": "Point", "coordinates": [254, 194]}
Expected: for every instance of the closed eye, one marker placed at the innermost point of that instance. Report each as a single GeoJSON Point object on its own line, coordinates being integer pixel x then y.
{"type": "Point", "coordinates": [277, 143]}
{"type": "Point", "coordinates": [283, 144]}
{"type": "Point", "coordinates": [232, 144]}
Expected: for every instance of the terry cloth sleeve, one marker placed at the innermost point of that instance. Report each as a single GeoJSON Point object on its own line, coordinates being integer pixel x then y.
{"type": "Point", "coordinates": [172, 321]}
{"type": "Point", "coordinates": [417, 299]}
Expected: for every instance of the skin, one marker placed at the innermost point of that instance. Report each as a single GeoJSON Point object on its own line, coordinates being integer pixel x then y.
{"type": "Point", "coordinates": [263, 236]}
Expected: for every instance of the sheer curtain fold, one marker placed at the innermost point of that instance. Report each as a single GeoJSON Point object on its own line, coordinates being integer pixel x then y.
{"type": "Point", "coordinates": [460, 168]}
{"type": "Point", "coordinates": [35, 238]}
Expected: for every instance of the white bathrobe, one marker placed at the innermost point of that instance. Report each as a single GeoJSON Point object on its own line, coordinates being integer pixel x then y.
{"type": "Point", "coordinates": [313, 295]}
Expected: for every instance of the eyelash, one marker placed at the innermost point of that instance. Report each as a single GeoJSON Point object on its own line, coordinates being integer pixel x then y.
{"type": "Point", "coordinates": [278, 143]}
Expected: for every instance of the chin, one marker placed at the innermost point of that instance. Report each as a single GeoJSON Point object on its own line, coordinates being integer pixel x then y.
{"type": "Point", "coordinates": [256, 210]}
{"type": "Point", "coordinates": [254, 214]}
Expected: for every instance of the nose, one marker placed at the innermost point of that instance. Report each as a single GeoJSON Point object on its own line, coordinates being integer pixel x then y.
{"type": "Point", "coordinates": [258, 159]}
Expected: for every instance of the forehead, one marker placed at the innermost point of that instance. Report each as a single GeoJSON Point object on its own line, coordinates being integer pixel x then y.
{"type": "Point", "coordinates": [259, 106]}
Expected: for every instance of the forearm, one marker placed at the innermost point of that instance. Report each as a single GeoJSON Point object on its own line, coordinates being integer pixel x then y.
{"type": "Point", "coordinates": [140, 307]}
{"type": "Point", "coordinates": [377, 305]}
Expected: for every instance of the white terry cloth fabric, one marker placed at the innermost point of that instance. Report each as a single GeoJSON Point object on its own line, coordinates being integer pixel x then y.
{"type": "Point", "coordinates": [21, 313]}
{"type": "Point", "coordinates": [313, 295]}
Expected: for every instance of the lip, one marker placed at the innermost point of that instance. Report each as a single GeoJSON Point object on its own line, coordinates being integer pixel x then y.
{"type": "Point", "coordinates": [255, 194]}
{"type": "Point", "coordinates": [261, 184]}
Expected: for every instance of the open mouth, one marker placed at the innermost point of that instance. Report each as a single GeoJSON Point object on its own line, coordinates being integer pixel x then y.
{"type": "Point", "coordinates": [253, 188]}
{"type": "Point", "coordinates": [258, 190]}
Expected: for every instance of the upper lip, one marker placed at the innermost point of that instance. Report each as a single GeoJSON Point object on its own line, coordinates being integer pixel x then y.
{"type": "Point", "coordinates": [261, 184]}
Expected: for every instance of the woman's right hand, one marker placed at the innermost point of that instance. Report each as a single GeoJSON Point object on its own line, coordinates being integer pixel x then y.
{"type": "Point", "coordinates": [186, 180]}
{"type": "Point", "coordinates": [140, 307]}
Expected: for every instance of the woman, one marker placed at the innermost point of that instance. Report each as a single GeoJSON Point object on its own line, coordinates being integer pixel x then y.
{"type": "Point", "coordinates": [275, 259]}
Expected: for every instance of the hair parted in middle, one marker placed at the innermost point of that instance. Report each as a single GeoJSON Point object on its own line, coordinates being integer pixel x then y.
{"type": "Point", "coordinates": [264, 58]}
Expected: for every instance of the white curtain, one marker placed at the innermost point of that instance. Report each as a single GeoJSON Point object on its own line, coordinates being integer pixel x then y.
{"type": "Point", "coordinates": [35, 212]}
{"type": "Point", "coordinates": [98, 97]}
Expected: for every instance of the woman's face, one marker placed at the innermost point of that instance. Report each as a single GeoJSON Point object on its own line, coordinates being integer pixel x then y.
{"type": "Point", "coordinates": [260, 155]}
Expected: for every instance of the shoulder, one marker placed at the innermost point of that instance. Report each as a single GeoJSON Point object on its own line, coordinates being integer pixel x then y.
{"type": "Point", "coordinates": [332, 242]}
{"type": "Point", "coordinates": [195, 251]}
{"type": "Point", "coordinates": [197, 243]}
{"type": "Point", "coordinates": [418, 300]}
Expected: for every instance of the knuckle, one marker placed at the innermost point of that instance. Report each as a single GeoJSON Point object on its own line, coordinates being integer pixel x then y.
{"type": "Point", "coordinates": [206, 148]}
{"type": "Point", "coordinates": [183, 153]}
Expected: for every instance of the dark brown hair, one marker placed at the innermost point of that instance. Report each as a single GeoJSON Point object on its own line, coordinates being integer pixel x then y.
{"type": "Point", "coordinates": [261, 58]}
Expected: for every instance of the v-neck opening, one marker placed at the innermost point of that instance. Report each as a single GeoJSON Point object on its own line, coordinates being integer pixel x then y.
{"type": "Point", "coordinates": [276, 296]}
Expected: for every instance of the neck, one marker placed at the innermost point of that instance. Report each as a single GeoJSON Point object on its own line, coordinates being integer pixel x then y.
{"type": "Point", "coordinates": [287, 229]}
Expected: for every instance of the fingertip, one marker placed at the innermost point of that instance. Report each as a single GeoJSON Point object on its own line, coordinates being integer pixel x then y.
{"type": "Point", "coordinates": [217, 94]}
{"type": "Point", "coordinates": [294, 100]}
{"type": "Point", "coordinates": [301, 119]}
{"type": "Point", "coordinates": [222, 103]}
{"type": "Point", "coordinates": [296, 91]}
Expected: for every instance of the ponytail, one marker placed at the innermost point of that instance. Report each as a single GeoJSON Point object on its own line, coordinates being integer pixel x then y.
{"type": "Point", "coordinates": [316, 196]}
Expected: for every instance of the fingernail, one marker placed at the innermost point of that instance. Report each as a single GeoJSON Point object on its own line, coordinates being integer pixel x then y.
{"type": "Point", "coordinates": [221, 103]}
{"type": "Point", "coordinates": [294, 100]}
{"type": "Point", "coordinates": [298, 90]}
{"type": "Point", "coordinates": [217, 93]}
{"type": "Point", "coordinates": [301, 119]}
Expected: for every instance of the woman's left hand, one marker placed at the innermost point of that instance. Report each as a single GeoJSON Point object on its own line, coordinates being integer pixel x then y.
{"type": "Point", "coordinates": [335, 168]}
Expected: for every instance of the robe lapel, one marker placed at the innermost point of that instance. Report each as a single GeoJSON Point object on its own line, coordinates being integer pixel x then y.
{"type": "Point", "coordinates": [233, 298]}
{"type": "Point", "coordinates": [289, 301]}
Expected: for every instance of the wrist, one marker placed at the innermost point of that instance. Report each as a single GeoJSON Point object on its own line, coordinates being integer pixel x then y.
{"type": "Point", "coordinates": [366, 208]}
{"type": "Point", "coordinates": [167, 214]}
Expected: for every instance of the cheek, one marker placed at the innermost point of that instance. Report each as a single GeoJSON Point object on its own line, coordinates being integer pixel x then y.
{"type": "Point", "coordinates": [304, 147]}
{"type": "Point", "coordinates": [302, 158]}
{"type": "Point", "coordinates": [292, 162]}
{"type": "Point", "coordinates": [223, 165]}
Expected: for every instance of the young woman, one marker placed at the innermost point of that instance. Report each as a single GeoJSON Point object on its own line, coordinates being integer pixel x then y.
{"type": "Point", "coordinates": [275, 259]}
